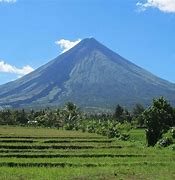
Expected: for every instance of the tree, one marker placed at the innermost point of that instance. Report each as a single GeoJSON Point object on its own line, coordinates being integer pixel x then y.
{"type": "Point", "coordinates": [138, 109]}
{"type": "Point", "coordinates": [71, 114]}
{"type": "Point", "coordinates": [7, 117]}
{"type": "Point", "coordinates": [127, 116]}
{"type": "Point", "coordinates": [159, 118]}
{"type": "Point", "coordinates": [137, 115]}
{"type": "Point", "coordinates": [20, 116]}
{"type": "Point", "coordinates": [119, 113]}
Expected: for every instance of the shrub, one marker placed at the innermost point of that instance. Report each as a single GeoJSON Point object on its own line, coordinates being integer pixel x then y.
{"type": "Point", "coordinates": [164, 142]}
{"type": "Point", "coordinates": [167, 139]}
{"type": "Point", "coordinates": [112, 132]}
{"type": "Point", "coordinates": [68, 126]}
{"type": "Point", "coordinates": [172, 147]}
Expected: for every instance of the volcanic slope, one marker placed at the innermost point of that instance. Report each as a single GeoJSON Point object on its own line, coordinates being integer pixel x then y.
{"type": "Point", "coordinates": [89, 74]}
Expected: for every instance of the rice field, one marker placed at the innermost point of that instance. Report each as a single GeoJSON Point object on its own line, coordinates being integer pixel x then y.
{"type": "Point", "coordinates": [41, 153]}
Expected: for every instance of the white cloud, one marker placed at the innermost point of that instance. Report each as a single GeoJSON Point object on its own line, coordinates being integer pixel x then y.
{"type": "Point", "coordinates": [65, 45]}
{"type": "Point", "coordinates": [167, 6]}
{"type": "Point", "coordinates": [8, 1]}
{"type": "Point", "coordinates": [7, 68]}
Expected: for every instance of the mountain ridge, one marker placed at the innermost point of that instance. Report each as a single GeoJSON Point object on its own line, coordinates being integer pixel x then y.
{"type": "Point", "coordinates": [90, 75]}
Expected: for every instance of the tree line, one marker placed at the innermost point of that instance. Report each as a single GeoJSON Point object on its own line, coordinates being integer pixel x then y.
{"type": "Point", "coordinates": [158, 119]}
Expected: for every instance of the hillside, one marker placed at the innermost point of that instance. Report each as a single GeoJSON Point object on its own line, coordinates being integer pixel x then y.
{"type": "Point", "coordinates": [89, 74]}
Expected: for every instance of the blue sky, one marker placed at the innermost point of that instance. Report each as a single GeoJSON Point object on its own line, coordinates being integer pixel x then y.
{"type": "Point", "coordinates": [142, 31]}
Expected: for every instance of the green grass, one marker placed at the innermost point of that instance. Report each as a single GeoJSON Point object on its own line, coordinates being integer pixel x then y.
{"type": "Point", "coordinates": [42, 153]}
{"type": "Point", "coordinates": [84, 173]}
{"type": "Point", "coordinates": [138, 135]}
{"type": "Point", "coordinates": [30, 132]}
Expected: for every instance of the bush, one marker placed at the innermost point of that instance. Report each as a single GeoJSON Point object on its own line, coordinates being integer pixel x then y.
{"type": "Point", "coordinates": [124, 127]}
{"type": "Point", "coordinates": [164, 142]}
{"type": "Point", "coordinates": [68, 126]}
{"type": "Point", "coordinates": [172, 131]}
{"type": "Point", "coordinates": [112, 132]}
{"type": "Point", "coordinates": [167, 139]}
{"type": "Point", "coordinates": [172, 147]}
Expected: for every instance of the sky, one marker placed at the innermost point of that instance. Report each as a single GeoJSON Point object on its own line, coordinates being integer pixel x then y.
{"type": "Point", "coordinates": [33, 32]}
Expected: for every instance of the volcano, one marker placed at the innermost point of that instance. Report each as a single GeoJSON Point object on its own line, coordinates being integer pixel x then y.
{"type": "Point", "coordinates": [90, 75]}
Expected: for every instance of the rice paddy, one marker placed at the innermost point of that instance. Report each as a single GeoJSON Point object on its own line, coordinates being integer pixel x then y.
{"type": "Point", "coordinates": [41, 153]}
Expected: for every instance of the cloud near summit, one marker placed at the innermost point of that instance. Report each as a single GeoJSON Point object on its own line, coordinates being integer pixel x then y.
{"type": "Point", "coordinates": [65, 44]}
{"type": "Point", "coordinates": [167, 6]}
{"type": "Point", "coordinates": [7, 68]}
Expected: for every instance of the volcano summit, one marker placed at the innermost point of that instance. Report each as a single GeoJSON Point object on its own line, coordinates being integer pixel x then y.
{"type": "Point", "coordinates": [89, 74]}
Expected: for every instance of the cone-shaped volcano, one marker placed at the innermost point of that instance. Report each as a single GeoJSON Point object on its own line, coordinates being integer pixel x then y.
{"type": "Point", "coordinates": [89, 74]}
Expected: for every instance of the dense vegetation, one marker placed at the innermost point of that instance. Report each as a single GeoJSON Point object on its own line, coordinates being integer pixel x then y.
{"type": "Point", "coordinates": [158, 120]}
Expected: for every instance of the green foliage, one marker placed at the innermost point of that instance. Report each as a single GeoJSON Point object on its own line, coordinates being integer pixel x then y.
{"type": "Point", "coordinates": [109, 128]}
{"type": "Point", "coordinates": [124, 127]}
{"type": "Point", "coordinates": [138, 109]}
{"type": "Point", "coordinates": [167, 138]}
{"type": "Point", "coordinates": [137, 115]}
{"type": "Point", "coordinates": [159, 118]}
{"type": "Point", "coordinates": [164, 142]}
{"type": "Point", "coordinates": [119, 113]}
{"type": "Point", "coordinates": [68, 126]}
{"type": "Point", "coordinates": [71, 114]}
{"type": "Point", "coordinates": [122, 114]}
{"type": "Point", "coordinates": [10, 117]}
{"type": "Point", "coordinates": [123, 130]}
